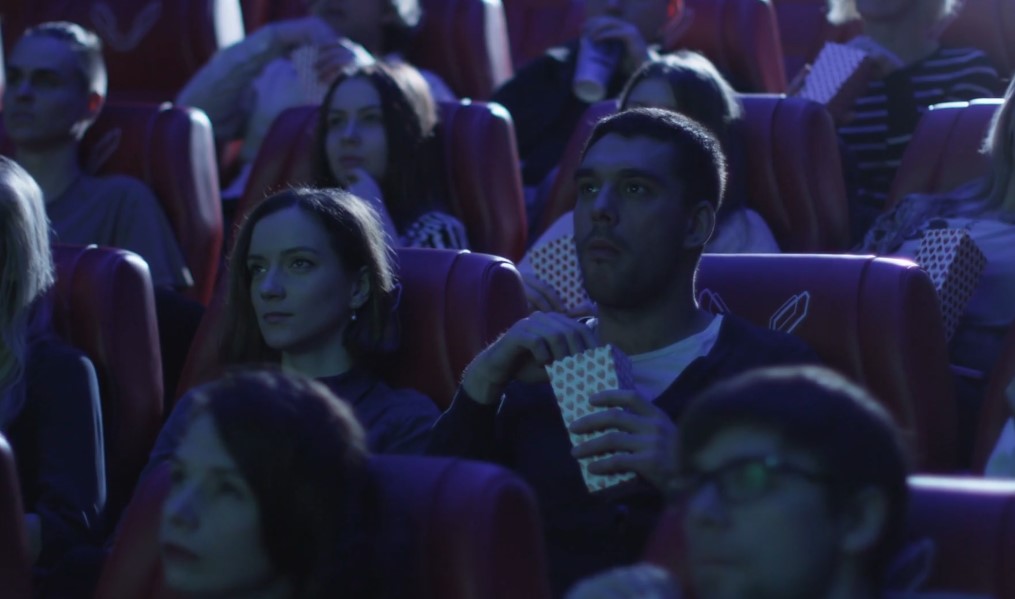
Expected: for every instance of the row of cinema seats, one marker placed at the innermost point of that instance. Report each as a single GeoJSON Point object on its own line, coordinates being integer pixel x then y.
{"type": "Point", "coordinates": [477, 44]}
{"type": "Point", "coordinates": [457, 529]}
{"type": "Point", "coordinates": [785, 196]}
{"type": "Point", "coordinates": [856, 311]}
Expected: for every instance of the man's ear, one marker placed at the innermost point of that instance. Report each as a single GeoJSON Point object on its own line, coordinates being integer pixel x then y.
{"type": "Point", "coordinates": [863, 519]}
{"type": "Point", "coordinates": [360, 289]}
{"type": "Point", "coordinates": [700, 223]}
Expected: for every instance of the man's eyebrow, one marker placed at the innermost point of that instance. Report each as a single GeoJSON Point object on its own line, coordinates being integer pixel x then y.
{"type": "Point", "coordinates": [583, 172]}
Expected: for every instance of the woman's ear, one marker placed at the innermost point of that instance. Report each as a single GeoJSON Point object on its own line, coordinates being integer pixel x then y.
{"type": "Point", "coordinates": [700, 223]}
{"type": "Point", "coordinates": [360, 288]}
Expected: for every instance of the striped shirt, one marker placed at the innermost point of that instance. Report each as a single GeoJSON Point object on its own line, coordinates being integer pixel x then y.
{"type": "Point", "coordinates": [886, 116]}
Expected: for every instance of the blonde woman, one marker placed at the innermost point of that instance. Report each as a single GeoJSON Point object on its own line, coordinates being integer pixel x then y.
{"type": "Point", "coordinates": [49, 398]}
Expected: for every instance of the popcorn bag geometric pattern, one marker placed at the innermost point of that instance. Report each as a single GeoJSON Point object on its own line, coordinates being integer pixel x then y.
{"type": "Point", "coordinates": [839, 75]}
{"type": "Point", "coordinates": [556, 263]}
{"type": "Point", "coordinates": [575, 379]}
{"type": "Point", "coordinates": [954, 263]}
{"type": "Point", "coordinates": [303, 59]}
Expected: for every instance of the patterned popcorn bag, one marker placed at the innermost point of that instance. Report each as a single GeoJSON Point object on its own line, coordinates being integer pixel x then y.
{"type": "Point", "coordinates": [578, 377]}
{"type": "Point", "coordinates": [556, 263]}
{"type": "Point", "coordinates": [303, 59]}
{"type": "Point", "coordinates": [954, 263]}
{"type": "Point", "coordinates": [839, 75]}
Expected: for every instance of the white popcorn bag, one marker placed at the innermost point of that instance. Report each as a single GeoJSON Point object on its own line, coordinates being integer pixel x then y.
{"type": "Point", "coordinates": [556, 263]}
{"type": "Point", "coordinates": [303, 59]}
{"type": "Point", "coordinates": [839, 76]}
{"type": "Point", "coordinates": [576, 378]}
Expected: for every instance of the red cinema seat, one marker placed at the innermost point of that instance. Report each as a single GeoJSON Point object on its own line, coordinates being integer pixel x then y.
{"type": "Point", "coordinates": [449, 529]}
{"type": "Point", "coordinates": [741, 37]}
{"type": "Point", "coordinates": [945, 149]}
{"type": "Point", "coordinates": [537, 25]}
{"type": "Point", "coordinates": [454, 303]}
{"type": "Point", "coordinates": [171, 150]}
{"type": "Point", "coordinates": [994, 411]}
{"type": "Point", "coordinates": [964, 526]}
{"type": "Point", "coordinates": [104, 305]}
{"type": "Point", "coordinates": [794, 174]}
{"type": "Point", "coordinates": [876, 320]}
{"type": "Point", "coordinates": [804, 29]}
{"type": "Point", "coordinates": [466, 43]}
{"type": "Point", "coordinates": [15, 563]}
{"type": "Point", "coordinates": [988, 25]}
{"type": "Point", "coordinates": [151, 47]}
{"type": "Point", "coordinates": [480, 158]}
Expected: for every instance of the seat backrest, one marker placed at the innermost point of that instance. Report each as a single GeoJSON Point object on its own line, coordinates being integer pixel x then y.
{"type": "Point", "coordinates": [151, 47]}
{"type": "Point", "coordinates": [971, 525]}
{"type": "Point", "coordinates": [449, 529]}
{"type": "Point", "coordinates": [994, 411]}
{"type": "Point", "coordinates": [536, 25]}
{"type": "Point", "coordinates": [794, 174]}
{"type": "Point", "coordinates": [466, 43]}
{"type": "Point", "coordinates": [15, 564]}
{"type": "Point", "coordinates": [804, 29]}
{"type": "Point", "coordinates": [481, 163]}
{"type": "Point", "coordinates": [741, 37]}
{"type": "Point", "coordinates": [474, 528]}
{"type": "Point", "coordinates": [172, 150]}
{"type": "Point", "coordinates": [876, 320]}
{"type": "Point", "coordinates": [967, 523]}
{"type": "Point", "coordinates": [103, 304]}
{"type": "Point", "coordinates": [988, 25]}
{"type": "Point", "coordinates": [945, 149]}
{"type": "Point", "coordinates": [453, 304]}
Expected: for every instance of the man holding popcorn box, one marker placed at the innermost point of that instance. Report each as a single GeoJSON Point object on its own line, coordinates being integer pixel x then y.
{"type": "Point", "coordinates": [585, 410]}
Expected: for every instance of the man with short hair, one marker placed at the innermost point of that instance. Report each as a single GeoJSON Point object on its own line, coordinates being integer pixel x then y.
{"type": "Point", "coordinates": [56, 87]}
{"type": "Point", "coordinates": [793, 484]}
{"type": "Point", "coordinates": [648, 186]}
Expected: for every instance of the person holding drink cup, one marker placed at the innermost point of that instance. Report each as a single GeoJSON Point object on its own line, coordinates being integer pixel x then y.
{"type": "Point", "coordinates": [547, 96]}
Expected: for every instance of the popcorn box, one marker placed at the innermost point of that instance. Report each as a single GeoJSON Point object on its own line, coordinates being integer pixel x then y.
{"type": "Point", "coordinates": [954, 263]}
{"type": "Point", "coordinates": [303, 59]}
{"type": "Point", "coordinates": [578, 377]}
{"type": "Point", "coordinates": [839, 76]}
{"type": "Point", "coordinates": [556, 263]}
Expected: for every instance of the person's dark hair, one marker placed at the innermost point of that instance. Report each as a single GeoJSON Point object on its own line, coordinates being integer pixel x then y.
{"type": "Point", "coordinates": [357, 237]}
{"type": "Point", "coordinates": [703, 94]}
{"type": "Point", "coordinates": [412, 181]}
{"type": "Point", "coordinates": [87, 49]}
{"type": "Point", "coordinates": [819, 412]}
{"type": "Point", "coordinates": [698, 160]}
{"type": "Point", "coordinates": [303, 454]}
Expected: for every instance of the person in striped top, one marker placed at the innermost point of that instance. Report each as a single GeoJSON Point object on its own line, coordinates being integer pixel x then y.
{"type": "Point", "coordinates": [914, 72]}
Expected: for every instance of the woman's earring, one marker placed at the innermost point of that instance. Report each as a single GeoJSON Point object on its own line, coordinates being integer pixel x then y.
{"type": "Point", "coordinates": [353, 317]}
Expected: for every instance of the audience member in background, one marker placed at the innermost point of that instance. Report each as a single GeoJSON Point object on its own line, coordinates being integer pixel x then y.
{"type": "Point", "coordinates": [56, 86]}
{"type": "Point", "coordinates": [986, 209]}
{"type": "Point", "coordinates": [245, 86]}
{"type": "Point", "coordinates": [311, 287]}
{"type": "Point", "coordinates": [269, 494]}
{"type": "Point", "coordinates": [649, 184]}
{"type": "Point", "coordinates": [915, 72]}
{"type": "Point", "coordinates": [688, 83]}
{"type": "Point", "coordinates": [540, 96]}
{"type": "Point", "coordinates": [375, 137]}
{"type": "Point", "coordinates": [793, 484]}
{"type": "Point", "coordinates": [49, 396]}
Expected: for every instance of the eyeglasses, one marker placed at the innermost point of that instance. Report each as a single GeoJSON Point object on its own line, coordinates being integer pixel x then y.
{"type": "Point", "coordinates": [741, 480]}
